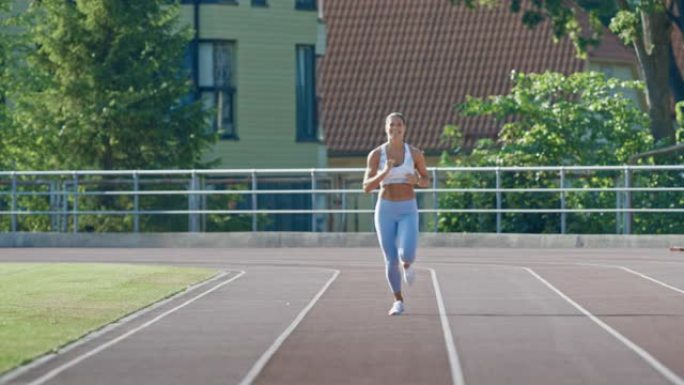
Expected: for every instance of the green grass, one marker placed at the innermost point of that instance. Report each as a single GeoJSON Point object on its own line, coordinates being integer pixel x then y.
{"type": "Point", "coordinates": [45, 306]}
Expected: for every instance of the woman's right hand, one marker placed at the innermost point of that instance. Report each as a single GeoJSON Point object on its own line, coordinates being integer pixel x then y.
{"type": "Point", "coordinates": [388, 165]}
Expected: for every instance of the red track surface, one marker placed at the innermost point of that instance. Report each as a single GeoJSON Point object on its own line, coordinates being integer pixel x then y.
{"type": "Point", "coordinates": [319, 316]}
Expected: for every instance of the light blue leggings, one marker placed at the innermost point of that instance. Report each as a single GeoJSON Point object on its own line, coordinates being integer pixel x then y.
{"type": "Point", "coordinates": [396, 223]}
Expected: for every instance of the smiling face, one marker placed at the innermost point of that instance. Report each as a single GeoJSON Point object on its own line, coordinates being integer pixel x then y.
{"type": "Point", "coordinates": [395, 128]}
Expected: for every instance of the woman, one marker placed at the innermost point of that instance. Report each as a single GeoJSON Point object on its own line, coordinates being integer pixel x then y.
{"type": "Point", "coordinates": [396, 168]}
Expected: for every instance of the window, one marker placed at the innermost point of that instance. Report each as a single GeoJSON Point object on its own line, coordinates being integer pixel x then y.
{"type": "Point", "coordinates": [259, 3]}
{"type": "Point", "coordinates": [217, 2]}
{"type": "Point", "coordinates": [307, 124]}
{"type": "Point", "coordinates": [234, 2]}
{"type": "Point", "coordinates": [305, 4]}
{"type": "Point", "coordinates": [216, 80]}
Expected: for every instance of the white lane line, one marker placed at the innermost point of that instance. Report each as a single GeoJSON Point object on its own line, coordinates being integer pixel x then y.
{"type": "Point", "coordinates": [678, 290]}
{"type": "Point", "coordinates": [54, 372]}
{"type": "Point", "coordinates": [11, 375]}
{"type": "Point", "coordinates": [646, 356]}
{"type": "Point", "coordinates": [263, 360]}
{"type": "Point", "coordinates": [454, 362]}
{"type": "Point", "coordinates": [642, 275]}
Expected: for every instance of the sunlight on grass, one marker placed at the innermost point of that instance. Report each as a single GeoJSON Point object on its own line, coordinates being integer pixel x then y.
{"type": "Point", "coordinates": [45, 306]}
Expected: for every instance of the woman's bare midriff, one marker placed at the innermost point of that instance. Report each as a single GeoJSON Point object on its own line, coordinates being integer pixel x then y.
{"type": "Point", "coordinates": [397, 192]}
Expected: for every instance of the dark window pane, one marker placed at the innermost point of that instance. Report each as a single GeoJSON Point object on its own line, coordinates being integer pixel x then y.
{"type": "Point", "coordinates": [305, 4]}
{"type": "Point", "coordinates": [224, 116]}
{"type": "Point", "coordinates": [216, 84]}
{"type": "Point", "coordinates": [307, 124]}
{"type": "Point", "coordinates": [221, 102]}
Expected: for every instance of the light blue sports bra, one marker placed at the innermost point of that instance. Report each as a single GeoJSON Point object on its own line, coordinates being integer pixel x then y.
{"type": "Point", "coordinates": [397, 174]}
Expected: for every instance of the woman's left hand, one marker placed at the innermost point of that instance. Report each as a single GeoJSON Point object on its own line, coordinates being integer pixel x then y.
{"type": "Point", "coordinates": [411, 179]}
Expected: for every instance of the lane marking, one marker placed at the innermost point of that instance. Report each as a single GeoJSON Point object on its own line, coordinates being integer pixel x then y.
{"type": "Point", "coordinates": [454, 362]}
{"type": "Point", "coordinates": [646, 356]}
{"type": "Point", "coordinates": [263, 360]}
{"type": "Point", "coordinates": [54, 372]}
{"type": "Point", "coordinates": [21, 370]}
{"type": "Point", "coordinates": [642, 275]}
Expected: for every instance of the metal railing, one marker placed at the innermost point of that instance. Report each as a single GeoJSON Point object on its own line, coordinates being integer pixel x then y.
{"type": "Point", "coordinates": [61, 198]}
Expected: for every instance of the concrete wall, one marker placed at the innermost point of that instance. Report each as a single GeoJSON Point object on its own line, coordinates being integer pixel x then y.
{"type": "Point", "coordinates": [285, 239]}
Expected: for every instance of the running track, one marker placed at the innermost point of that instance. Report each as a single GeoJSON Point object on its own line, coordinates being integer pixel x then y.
{"type": "Point", "coordinates": [319, 316]}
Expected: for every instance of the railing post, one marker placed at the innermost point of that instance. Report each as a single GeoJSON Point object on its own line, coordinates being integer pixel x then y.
{"type": "Point", "coordinates": [254, 200]}
{"type": "Point", "coordinates": [374, 200]}
{"type": "Point", "coordinates": [193, 223]}
{"type": "Point", "coordinates": [628, 201]}
{"type": "Point", "coordinates": [136, 202]}
{"type": "Point", "coordinates": [562, 200]}
{"type": "Point", "coordinates": [343, 221]}
{"type": "Point", "coordinates": [75, 205]}
{"type": "Point", "coordinates": [14, 202]}
{"type": "Point", "coordinates": [435, 202]}
{"type": "Point", "coordinates": [54, 202]}
{"type": "Point", "coordinates": [498, 200]}
{"type": "Point", "coordinates": [203, 205]}
{"type": "Point", "coordinates": [313, 200]}
{"type": "Point", "coordinates": [65, 207]}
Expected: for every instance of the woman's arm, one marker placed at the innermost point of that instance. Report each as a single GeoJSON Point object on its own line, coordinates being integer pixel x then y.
{"type": "Point", "coordinates": [421, 178]}
{"type": "Point", "coordinates": [372, 179]}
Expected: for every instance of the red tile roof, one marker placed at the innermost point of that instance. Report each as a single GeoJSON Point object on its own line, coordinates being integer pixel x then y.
{"type": "Point", "coordinates": [421, 57]}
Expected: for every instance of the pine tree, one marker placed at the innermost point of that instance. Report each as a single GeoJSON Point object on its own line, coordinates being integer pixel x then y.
{"type": "Point", "coordinates": [106, 88]}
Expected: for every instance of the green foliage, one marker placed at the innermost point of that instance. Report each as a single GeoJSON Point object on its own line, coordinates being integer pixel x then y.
{"type": "Point", "coordinates": [224, 222]}
{"type": "Point", "coordinates": [638, 23]}
{"type": "Point", "coordinates": [579, 119]}
{"type": "Point", "coordinates": [625, 24]}
{"type": "Point", "coordinates": [7, 62]}
{"type": "Point", "coordinates": [555, 120]}
{"type": "Point", "coordinates": [679, 113]}
{"type": "Point", "coordinates": [100, 84]}
{"type": "Point", "coordinates": [106, 87]}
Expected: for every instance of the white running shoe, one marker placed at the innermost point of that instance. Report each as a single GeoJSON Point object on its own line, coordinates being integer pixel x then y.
{"type": "Point", "coordinates": [409, 275]}
{"type": "Point", "coordinates": [397, 308]}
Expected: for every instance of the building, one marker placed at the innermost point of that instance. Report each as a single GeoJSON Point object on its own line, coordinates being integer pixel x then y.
{"type": "Point", "coordinates": [423, 58]}
{"type": "Point", "coordinates": [254, 62]}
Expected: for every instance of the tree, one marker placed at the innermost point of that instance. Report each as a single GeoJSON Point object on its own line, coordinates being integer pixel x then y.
{"type": "Point", "coordinates": [102, 86]}
{"type": "Point", "coordinates": [548, 120]}
{"type": "Point", "coordinates": [582, 118]}
{"type": "Point", "coordinates": [5, 57]}
{"type": "Point", "coordinates": [105, 88]}
{"type": "Point", "coordinates": [15, 77]}
{"type": "Point", "coordinates": [644, 24]}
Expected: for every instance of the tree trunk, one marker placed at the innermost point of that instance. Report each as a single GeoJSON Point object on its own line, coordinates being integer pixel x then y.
{"type": "Point", "coordinates": [652, 49]}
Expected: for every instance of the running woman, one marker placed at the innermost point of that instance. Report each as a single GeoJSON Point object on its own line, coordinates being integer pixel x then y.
{"type": "Point", "coordinates": [397, 169]}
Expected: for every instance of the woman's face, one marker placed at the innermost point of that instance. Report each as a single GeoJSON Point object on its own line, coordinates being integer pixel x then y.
{"type": "Point", "coordinates": [395, 129]}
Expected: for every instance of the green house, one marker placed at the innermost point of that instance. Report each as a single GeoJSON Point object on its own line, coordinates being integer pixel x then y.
{"type": "Point", "coordinates": [254, 63]}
